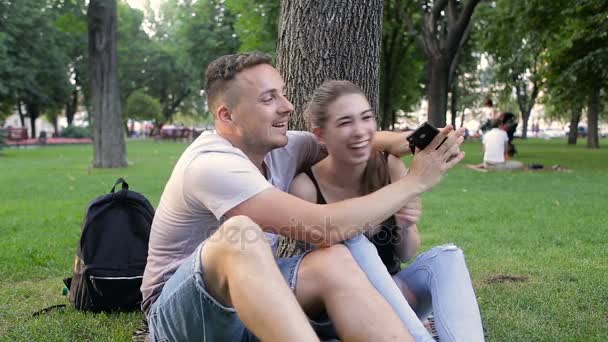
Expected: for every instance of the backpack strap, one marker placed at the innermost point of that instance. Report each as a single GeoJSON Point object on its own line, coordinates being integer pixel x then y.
{"type": "Point", "coordinates": [50, 308]}
{"type": "Point", "coordinates": [125, 185]}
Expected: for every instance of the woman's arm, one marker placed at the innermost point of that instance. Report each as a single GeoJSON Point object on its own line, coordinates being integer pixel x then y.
{"type": "Point", "coordinates": [407, 217]}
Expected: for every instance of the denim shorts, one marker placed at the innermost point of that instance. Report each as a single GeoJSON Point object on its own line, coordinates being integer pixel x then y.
{"type": "Point", "coordinates": [185, 311]}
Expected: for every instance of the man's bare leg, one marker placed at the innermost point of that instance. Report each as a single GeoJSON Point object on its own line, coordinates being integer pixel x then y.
{"type": "Point", "coordinates": [331, 278]}
{"type": "Point", "coordinates": [240, 271]}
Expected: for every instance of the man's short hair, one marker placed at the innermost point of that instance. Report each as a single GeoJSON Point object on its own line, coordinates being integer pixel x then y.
{"type": "Point", "coordinates": [222, 71]}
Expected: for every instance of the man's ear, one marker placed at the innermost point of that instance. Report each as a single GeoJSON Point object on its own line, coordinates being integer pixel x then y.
{"type": "Point", "coordinates": [224, 114]}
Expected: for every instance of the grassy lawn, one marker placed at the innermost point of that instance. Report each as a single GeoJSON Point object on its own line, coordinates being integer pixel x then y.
{"type": "Point", "coordinates": [536, 243]}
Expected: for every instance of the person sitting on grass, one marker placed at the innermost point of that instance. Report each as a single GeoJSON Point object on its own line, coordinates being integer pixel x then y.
{"type": "Point", "coordinates": [211, 274]}
{"type": "Point", "coordinates": [437, 280]}
{"type": "Point", "coordinates": [496, 147]}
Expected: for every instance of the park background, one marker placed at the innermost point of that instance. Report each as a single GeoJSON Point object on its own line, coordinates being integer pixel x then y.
{"type": "Point", "coordinates": [536, 242]}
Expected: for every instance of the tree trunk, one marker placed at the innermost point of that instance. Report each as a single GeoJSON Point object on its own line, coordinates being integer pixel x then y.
{"type": "Point", "coordinates": [71, 107]}
{"type": "Point", "coordinates": [593, 110]}
{"type": "Point", "coordinates": [324, 40]}
{"type": "Point", "coordinates": [33, 111]}
{"type": "Point", "coordinates": [454, 103]}
{"type": "Point", "coordinates": [525, 116]}
{"type": "Point", "coordinates": [439, 71]}
{"type": "Point", "coordinates": [21, 115]}
{"type": "Point", "coordinates": [574, 120]}
{"type": "Point", "coordinates": [327, 40]}
{"type": "Point", "coordinates": [108, 130]}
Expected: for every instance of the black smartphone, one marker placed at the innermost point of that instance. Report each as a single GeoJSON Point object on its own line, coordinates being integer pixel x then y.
{"type": "Point", "coordinates": [423, 136]}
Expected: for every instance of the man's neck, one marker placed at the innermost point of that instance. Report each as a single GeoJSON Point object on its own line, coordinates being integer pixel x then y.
{"type": "Point", "coordinates": [257, 158]}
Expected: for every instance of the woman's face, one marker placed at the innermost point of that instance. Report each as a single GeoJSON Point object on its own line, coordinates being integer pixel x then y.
{"type": "Point", "coordinates": [349, 129]}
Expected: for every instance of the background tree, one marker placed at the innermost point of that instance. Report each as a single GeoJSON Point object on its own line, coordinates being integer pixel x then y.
{"type": "Point", "coordinates": [516, 39]}
{"type": "Point", "coordinates": [441, 27]}
{"type": "Point", "coordinates": [313, 47]}
{"type": "Point", "coordinates": [141, 106]}
{"type": "Point", "coordinates": [108, 133]}
{"type": "Point", "coordinates": [401, 69]}
{"type": "Point", "coordinates": [256, 24]}
{"type": "Point", "coordinates": [34, 65]}
{"type": "Point", "coordinates": [579, 44]}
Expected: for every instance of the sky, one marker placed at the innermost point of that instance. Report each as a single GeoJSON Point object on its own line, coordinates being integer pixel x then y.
{"type": "Point", "coordinates": [139, 4]}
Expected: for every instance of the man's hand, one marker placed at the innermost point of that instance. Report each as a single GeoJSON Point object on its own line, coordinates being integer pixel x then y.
{"type": "Point", "coordinates": [430, 164]}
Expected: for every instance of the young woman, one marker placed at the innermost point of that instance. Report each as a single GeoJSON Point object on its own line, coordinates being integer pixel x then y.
{"type": "Point", "coordinates": [438, 280]}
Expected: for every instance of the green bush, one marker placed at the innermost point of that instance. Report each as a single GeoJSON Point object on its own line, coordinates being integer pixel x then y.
{"type": "Point", "coordinates": [76, 132]}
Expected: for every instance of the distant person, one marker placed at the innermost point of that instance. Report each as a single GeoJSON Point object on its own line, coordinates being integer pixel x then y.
{"type": "Point", "coordinates": [497, 145]}
{"type": "Point", "coordinates": [488, 115]}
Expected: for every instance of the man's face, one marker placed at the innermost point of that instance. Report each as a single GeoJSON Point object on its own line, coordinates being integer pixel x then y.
{"type": "Point", "coordinates": [261, 110]}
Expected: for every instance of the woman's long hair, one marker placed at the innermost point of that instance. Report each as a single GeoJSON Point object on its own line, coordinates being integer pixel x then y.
{"type": "Point", "coordinates": [376, 173]}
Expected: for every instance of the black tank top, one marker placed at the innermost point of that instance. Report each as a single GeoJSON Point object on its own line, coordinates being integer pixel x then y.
{"type": "Point", "coordinates": [385, 239]}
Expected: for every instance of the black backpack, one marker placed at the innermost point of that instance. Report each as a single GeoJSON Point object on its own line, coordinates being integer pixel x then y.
{"type": "Point", "coordinates": [112, 252]}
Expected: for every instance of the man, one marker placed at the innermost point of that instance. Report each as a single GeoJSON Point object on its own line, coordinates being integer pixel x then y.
{"type": "Point", "coordinates": [496, 147]}
{"type": "Point", "coordinates": [211, 272]}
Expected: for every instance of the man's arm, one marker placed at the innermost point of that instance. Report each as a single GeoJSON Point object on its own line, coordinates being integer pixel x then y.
{"type": "Point", "coordinates": [394, 143]}
{"type": "Point", "coordinates": [328, 224]}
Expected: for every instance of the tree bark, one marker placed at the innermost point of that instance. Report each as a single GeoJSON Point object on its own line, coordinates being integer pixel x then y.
{"type": "Point", "coordinates": [20, 111]}
{"type": "Point", "coordinates": [71, 107]}
{"type": "Point", "coordinates": [525, 102]}
{"type": "Point", "coordinates": [438, 92]}
{"type": "Point", "coordinates": [108, 130]}
{"type": "Point", "coordinates": [33, 111]}
{"type": "Point", "coordinates": [574, 120]}
{"type": "Point", "coordinates": [328, 40]}
{"type": "Point", "coordinates": [593, 110]}
{"type": "Point", "coordinates": [454, 102]}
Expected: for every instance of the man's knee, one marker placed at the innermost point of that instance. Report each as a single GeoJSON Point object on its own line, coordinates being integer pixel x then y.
{"type": "Point", "coordinates": [334, 263]}
{"type": "Point", "coordinates": [239, 235]}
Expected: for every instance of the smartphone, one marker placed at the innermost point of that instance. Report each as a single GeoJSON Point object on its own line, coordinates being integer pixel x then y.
{"type": "Point", "coordinates": [423, 136]}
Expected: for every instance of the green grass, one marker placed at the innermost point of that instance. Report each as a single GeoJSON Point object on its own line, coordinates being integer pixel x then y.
{"type": "Point", "coordinates": [549, 228]}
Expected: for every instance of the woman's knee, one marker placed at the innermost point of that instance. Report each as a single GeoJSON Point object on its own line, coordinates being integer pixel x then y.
{"type": "Point", "coordinates": [448, 254]}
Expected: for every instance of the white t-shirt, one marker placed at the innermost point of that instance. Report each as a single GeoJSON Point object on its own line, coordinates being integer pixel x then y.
{"type": "Point", "coordinates": [210, 178]}
{"type": "Point", "coordinates": [494, 145]}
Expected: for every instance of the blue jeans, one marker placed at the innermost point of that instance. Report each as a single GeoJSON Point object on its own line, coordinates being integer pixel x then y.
{"type": "Point", "coordinates": [441, 282]}
{"type": "Point", "coordinates": [185, 311]}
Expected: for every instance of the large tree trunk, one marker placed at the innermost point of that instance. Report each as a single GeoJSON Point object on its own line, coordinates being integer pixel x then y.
{"type": "Point", "coordinates": [574, 120]}
{"type": "Point", "coordinates": [593, 110]}
{"type": "Point", "coordinates": [108, 130]}
{"type": "Point", "coordinates": [438, 92]}
{"type": "Point", "coordinates": [327, 40]}
{"type": "Point", "coordinates": [323, 40]}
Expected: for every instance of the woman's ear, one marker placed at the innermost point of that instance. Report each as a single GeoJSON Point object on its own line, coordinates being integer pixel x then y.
{"type": "Point", "coordinates": [318, 132]}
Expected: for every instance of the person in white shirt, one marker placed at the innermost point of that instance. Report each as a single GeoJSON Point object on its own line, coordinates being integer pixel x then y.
{"type": "Point", "coordinates": [496, 147]}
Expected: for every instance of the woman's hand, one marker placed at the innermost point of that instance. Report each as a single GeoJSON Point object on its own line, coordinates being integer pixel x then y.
{"type": "Point", "coordinates": [410, 214]}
